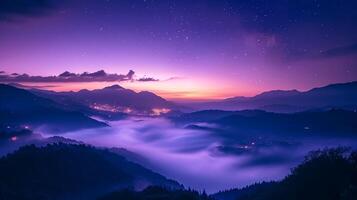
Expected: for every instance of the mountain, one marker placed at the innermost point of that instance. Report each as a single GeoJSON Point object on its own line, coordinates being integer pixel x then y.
{"type": "Point", "coordinates": [328, 122]}
{"type": "Point", "coordinates": [20, 107]}
{"type": "Point", "coordinates": [202, 116]}
{"type": "Point", "coordinates": [250, 122]}
{"type": "Point", "coordinates": [112, 100]}
{"type": "Point", "coordinates": [342, 95]}
{"type": "Point", "coordinates": [329, 174]}
{"type": "Point", "coordinates": [213, 115]}
{"type": "Point", "coordinates": [69, 171]}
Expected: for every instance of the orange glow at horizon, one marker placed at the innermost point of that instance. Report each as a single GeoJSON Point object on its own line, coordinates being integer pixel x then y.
{"type": "Point", "coordinates": [174, 89]}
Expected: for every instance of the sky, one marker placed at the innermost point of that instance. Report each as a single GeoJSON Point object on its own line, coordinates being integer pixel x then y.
{"type": "Point", "coordinates": [179, 49]}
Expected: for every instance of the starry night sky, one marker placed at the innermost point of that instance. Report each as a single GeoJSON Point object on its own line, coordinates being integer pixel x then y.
{"type": "Point", "coordinates": [196, 48]}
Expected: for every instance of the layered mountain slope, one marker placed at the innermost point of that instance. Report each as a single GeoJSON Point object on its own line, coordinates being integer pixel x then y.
{"type": "Point", "coordinates": [68, 171]}
{"type": "Point", "coordinates": [19, 107]}
{"type": "Point", "coordinates": [330, 174]}
{"type": "Point", "coordinates": [115, 99]}
{"type": "Point", "coordinates": [342, 95]}
{"type": "Point", "coordinates": [334, 121]}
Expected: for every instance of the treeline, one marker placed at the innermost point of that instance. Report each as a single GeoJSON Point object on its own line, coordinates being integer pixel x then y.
{"type": "Point", "coordinates": [329, 174]}
{"type": "Point", "coordinates": [157, 193]}
{"type": "Point", "coordinates": [68, 171]}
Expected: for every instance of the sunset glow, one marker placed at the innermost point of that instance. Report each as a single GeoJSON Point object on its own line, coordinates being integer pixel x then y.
{"type": "Point", "coordinates": [178, 99]}
{"type": "Point", "coordinates": [183, 52]}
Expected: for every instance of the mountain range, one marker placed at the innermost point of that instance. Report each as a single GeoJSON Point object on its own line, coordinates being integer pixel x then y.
{"type": "Point", "coordinates": [112, 99]}
{"type": "Point", "coordinates": [115, 102]}
{"type": "Point", "coordinates": [250, 122]}
{"type": "Point", "coordinates": [341, 95]}
{"type": "Point", "coordinates": [21, 108]}
{"type": "Point", "coordinates": [67, 111]}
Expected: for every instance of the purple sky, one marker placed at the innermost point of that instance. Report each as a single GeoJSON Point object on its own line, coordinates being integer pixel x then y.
{"type": "Point", "coordinates": [197, 49]}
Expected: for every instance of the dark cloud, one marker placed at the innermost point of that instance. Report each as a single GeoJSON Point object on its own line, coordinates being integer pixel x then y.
{"type": "Point", "coordinates": [25, 8]}
{"type": "Point", "coordinates": [147, 79]}
{"type": "Point", "coordinates": [151, 79]}
{"type": "Point", "coordinates": [18, 85]}
{"type": "Point", "coordinates": [174, 78]}
{"type": "Point", "coordinates": [99, 76]}
{"type": "Point", "coordinates": [340, 51]}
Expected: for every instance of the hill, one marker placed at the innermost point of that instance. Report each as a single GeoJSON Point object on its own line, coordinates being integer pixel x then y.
{"type": "Point", "coordinates": [340, 122]}
{"type": "Point", "coordinates": [113, 100]}
{"type": "Point", "coordinates": [69, 171]}
{"type": "Point", "coordinates": [329, 174]}
{"type": "Point", "coordinates": [19, 107]}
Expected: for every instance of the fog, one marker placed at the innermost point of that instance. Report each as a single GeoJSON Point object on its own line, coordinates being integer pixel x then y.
{"type": "Point", "coordinates": [200, 159]}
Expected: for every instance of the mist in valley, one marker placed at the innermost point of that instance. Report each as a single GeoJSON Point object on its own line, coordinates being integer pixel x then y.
{"type": "Point", "coordinates": [201, 158]}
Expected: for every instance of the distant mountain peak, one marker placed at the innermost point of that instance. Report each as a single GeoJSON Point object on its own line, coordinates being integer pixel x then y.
{"type": "Point", "coordinates": [146, 92]}
{"type": "Point", "coordinates": [336, 86]}
{"type": "Point", "coordinates": [276, 93]}
{"type": "Point", "coordinates": [83, 90]}
{"type": "Point", "coordinates": [237, 98]}
{"type": "Point", "coordinates": [114, 87]}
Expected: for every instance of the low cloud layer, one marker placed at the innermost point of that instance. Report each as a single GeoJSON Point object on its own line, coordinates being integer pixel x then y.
{"type": "Point", "coordinates": [99, 76]}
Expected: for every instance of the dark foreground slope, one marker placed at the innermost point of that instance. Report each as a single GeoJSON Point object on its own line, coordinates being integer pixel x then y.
{"type": "Point", "coordinates": [67, 171]}
{"type": "Point", "coordinates": [328, 175]}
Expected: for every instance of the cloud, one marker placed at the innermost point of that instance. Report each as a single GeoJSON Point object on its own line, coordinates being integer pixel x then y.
{"type": "Point", "coordinates": [340, 51]}
{"type": "Point", "coordinates": [25, 8]}
{"type": "Point", "coordinates": [151, 79]}
{"type": "Point", "coordinates": [18, 85]}
{"type": "Point", "coordinates": [99, 76]}
{"type": "Point", "coordinates": [174, 78]}
{"type": "Point", "coordinates": [147, 79]}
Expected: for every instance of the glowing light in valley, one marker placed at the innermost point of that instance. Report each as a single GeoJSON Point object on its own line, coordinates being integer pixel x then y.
{"type": "Point", "coordinates": [128, 110]}
{"type": "Point", "coordinates": [159, 111]}
{"type": "Point", "coordinates": [13, 138]}
{"type": "Point", "coordinates": [104, 107]}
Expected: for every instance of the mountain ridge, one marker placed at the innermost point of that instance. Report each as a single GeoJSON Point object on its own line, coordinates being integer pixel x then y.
{"type": "Point", "coordinates": [332, 95]}
{"type": "Point", "coordinates": [19, 107]}
{"type": "Point", "coordinates": [114, 97]}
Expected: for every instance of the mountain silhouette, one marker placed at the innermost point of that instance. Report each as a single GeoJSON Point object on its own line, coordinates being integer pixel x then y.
{"type": "Point", "coordinates": [20, 107]}
{"type": "Point", "coordinates": [334, 121]}
{"type": "Point", "coordinates": [340, 122]}
{"type": "Point", "coordinates": [68, 171]}
{"type": "Point", "coordinates": [114, 96]}
{"type": "Point", "coordinates": [341, 95]}
{"type": "Point", "coordinates": [325, 174]}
